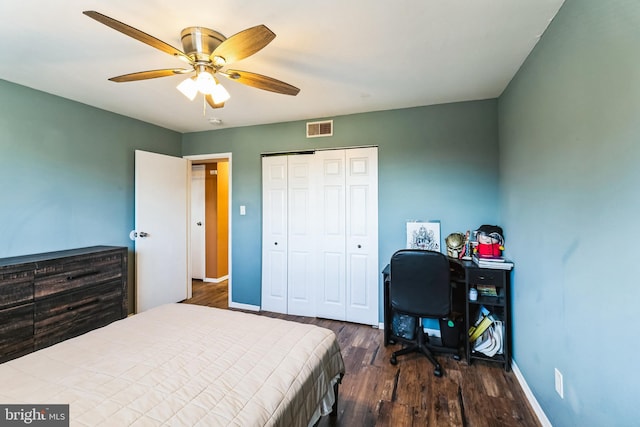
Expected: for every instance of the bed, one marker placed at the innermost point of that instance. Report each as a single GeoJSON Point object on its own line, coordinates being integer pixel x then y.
{"type": "Point", "coordinates": [185, 365]}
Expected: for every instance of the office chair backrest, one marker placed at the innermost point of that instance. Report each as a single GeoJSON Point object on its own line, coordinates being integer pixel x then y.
{"type": "Point", "coordinates": [420, 283]}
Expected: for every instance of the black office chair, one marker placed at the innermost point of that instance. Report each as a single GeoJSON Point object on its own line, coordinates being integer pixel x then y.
{"type": "Point", "coordinates": [419, 286]}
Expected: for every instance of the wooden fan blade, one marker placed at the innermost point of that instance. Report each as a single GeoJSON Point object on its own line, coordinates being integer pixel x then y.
{"type": "Point", "coordinates": [243, 44]}
{"type": "Point", "coordinates": [136, 34]}
{"type": "Point", "coordinates": [211, 103]}
{"type": "Point", "coordinates": [152, 74]}
{"type": "Point", "coordinates": [261, 82]}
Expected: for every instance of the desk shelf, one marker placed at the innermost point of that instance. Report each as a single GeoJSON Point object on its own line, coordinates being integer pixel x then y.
{"type": "Point", "coordinates": [489, 301]}
{"type": "Point", "coordinates": [498, 358]}
{"type": "Point", "coordinates": [499, 305]}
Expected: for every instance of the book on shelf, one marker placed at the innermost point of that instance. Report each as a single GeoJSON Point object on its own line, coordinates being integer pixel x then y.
{"type": "Point", "coordinates": [487, 290]}
{"type": "Point", "coordinates": [489, 258]}
{"type": "Point", "coordinates": [497, 263]}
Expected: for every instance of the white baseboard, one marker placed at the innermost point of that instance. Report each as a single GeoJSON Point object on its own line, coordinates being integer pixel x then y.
{"type": "Point", "coordinates": [248, 307]}
{"type": "Point", "coordinates": [542, 417]}
{"type": "Point", "coordinates": [215, 279]}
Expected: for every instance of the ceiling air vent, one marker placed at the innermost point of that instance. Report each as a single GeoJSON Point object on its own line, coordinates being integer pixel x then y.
{"type": "Point", "coordinates": [316, 129]}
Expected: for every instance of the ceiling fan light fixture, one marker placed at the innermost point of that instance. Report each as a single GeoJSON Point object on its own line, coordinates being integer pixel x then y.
{"type": "Point", "coordinates": [189, 88]}
{"type": "Point", "coordinates": [205, 82]}
{"type": "Point", "coordinates": [220, 94]}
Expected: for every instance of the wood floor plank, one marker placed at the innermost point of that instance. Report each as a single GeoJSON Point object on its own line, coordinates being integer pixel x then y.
{"type": "Point", "coordinates": [445, 406]}
{"type": "Point", "coordinates": [375, 393]}
{"type": "Point", "coordinates": [394, 414]}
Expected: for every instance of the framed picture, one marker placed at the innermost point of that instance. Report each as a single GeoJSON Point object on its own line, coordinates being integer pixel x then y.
{"type": "Point", "coordinates": [423, 235]}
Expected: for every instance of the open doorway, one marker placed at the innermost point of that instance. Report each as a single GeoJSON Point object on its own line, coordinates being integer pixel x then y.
{"type": "Point", "coordinates": [211, 223]}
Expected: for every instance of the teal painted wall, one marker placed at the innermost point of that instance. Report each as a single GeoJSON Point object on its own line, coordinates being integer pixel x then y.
{"type": "Point", "coordinates": [435, 163]}
{"type": "Point", "coordinates": [569, 156]}
{"type": "Point", "coordinates": [563, 182]}
{"type": "Point", "coordinates": [66, 172]}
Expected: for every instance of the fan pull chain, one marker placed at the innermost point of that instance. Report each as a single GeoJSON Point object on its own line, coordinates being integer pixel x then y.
{"type": "Point", "coordinates": [204, 106]}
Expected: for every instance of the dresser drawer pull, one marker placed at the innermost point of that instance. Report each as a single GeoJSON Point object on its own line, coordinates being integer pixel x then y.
{"type": "Point", "coordinates": [91, 302]}
{"type": "Point", "coordinates": [85, 274]}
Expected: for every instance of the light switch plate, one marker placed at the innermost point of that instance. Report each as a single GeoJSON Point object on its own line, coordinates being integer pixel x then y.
{"type": "Point", "coordinates": [559, 383]}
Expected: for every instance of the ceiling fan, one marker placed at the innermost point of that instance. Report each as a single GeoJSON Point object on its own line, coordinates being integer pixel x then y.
{"type": "Point", "coordinates": [207, 52]}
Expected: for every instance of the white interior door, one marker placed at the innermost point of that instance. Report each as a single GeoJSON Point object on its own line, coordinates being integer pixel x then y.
{"type": "Point", "coordinates": [331, 281]}
{"type": "Point", "coordinates": [274, 233]}
{"type": "Point", "coordinates": [361, 166]}
{"type": "Point", "coordinates": [197, 222]}
{"type": "Point", "coordinates": [161, 221]}
{"type": "Point", "coordinates": [301, 236]}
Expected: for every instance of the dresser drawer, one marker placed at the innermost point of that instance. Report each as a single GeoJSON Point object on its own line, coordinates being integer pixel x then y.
{"type": "Point", "coordinates": [487, 277]}
{"type": "Point", "coordinates": [76, 272]}
{"type": "Point", "coordinates": [71, 314]}
{"type": "Point", "coordinates": [16, 331]}
{"type": "Point", "coordinates": [16, 287]}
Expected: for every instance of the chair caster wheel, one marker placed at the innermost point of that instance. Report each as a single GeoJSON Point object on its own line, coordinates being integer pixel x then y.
{"type": "Point", "coordinates": [437, 372]}
{"type": "Point", "coordinates": [393, 360]}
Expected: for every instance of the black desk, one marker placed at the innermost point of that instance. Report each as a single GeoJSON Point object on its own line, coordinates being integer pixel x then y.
{"type": "Point", "coordinates": [464, 276]}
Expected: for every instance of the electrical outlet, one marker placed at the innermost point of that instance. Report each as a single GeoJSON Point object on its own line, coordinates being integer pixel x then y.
{"type": "Point", "coordinates": [559, 384]}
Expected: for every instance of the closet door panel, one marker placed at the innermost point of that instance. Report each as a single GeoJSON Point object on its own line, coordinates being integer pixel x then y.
{"type": "Point", "coordinates": [331, 287]}
{"type": "Point", "coordinates": [274, 234]}
{"type": "Point", "coordinates": [331, 234]}
{"type": "Point", "coordinates": [358, 275]}
{"type": "Point", "coordinates": [362, 235]}
{"type": "Point", "coordinates": [301, 235]}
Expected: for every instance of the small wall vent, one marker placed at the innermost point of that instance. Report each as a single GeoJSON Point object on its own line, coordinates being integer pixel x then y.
{"type": "Point", "coordinates": [317, 129]}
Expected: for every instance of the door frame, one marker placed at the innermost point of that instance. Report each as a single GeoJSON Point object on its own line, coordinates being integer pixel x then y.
{"type": "Point", "coordinates": [194, 230]}
{"type": "Point", "coordinates": [215, 156]}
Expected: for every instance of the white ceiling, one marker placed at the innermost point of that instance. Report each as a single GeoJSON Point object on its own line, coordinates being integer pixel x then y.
{"type": "Point", "coordinates": [346, 56]}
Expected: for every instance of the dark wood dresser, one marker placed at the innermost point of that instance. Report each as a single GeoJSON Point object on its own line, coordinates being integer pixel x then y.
{"type": "Point", "coordinates": [50, 297]}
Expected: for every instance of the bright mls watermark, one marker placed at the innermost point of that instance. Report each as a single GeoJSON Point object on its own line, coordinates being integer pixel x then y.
{"type": "Point", "coordinates": [34, 415]}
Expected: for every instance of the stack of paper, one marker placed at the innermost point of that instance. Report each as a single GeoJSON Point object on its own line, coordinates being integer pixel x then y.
{"type": "Point", "coordinates": [491, 341]}
{"type": "Point", "coordinates": [498, 263]}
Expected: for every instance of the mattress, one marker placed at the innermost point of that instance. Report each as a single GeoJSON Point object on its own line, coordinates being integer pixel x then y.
{"type": "Point", "coordinates": [184, 365]}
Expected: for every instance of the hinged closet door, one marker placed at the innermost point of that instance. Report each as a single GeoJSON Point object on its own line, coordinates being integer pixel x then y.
{"type": "Point", "coordinates": [361, 202]}
{"type": "Point", "coordinates": [302, 222]}
{"type": "Point", "coordinates": [274, 234]}
{"type": "Point", "coordinates": [331, 285]}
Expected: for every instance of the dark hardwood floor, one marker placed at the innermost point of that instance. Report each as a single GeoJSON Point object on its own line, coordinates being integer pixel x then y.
{"type": "Point", "coordinates": [375, 393]}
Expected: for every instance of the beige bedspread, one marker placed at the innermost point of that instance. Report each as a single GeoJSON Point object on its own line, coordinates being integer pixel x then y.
{"type": "Point", "coordinates": [184, 365]}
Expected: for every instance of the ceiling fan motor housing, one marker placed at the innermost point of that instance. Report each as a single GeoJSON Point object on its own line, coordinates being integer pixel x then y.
{"type": "Point", "coordinates": [200, 42]}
